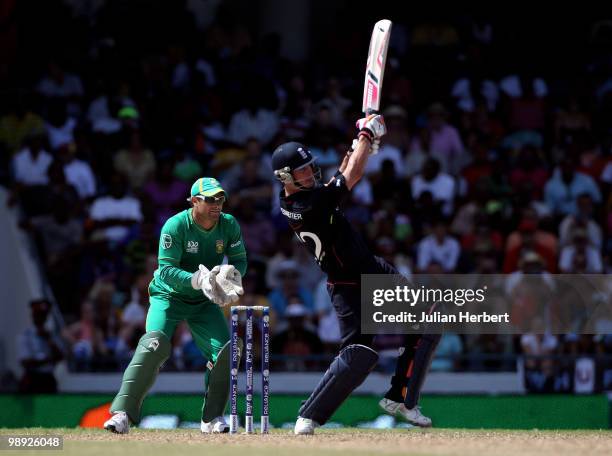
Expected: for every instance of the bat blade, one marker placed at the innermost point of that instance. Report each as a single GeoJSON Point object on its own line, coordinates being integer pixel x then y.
{"type": "Point", "coordinates": [375, 67]}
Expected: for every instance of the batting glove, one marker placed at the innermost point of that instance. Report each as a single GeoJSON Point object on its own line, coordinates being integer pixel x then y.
{"type": "Point", "coordinates": [372, 127]}
{"type": "Point", "coordinates": [373, 149]}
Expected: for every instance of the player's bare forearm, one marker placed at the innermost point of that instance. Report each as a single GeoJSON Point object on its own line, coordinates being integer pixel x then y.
{"type": "Point", "coordinates": [345, 161]}
{"type": "Point", "coordinates": [342, 167]}
{"type": "Point", "coordinates": [357, 162]}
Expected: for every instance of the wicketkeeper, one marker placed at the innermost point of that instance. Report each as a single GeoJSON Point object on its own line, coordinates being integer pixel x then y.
{"type": "Point", "coordinates": [191, 284]}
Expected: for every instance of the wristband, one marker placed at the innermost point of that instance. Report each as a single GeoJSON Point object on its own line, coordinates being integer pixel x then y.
{"type": "Point", "coordinates": [367, 133]}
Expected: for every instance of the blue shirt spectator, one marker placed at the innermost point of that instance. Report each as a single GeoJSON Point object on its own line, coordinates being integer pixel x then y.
{"type": "Point", "coordinates": [564, 187]}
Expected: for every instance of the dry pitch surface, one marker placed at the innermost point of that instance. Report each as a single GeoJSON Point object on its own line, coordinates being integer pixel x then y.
{"type": "Point", "coordinates": [329, 442]}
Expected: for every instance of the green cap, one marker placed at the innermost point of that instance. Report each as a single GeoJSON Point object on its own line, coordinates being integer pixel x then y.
{"type": "Point", "coordinates": [128, 112]}
{"type": "Point", "coordinates": [206, 186]}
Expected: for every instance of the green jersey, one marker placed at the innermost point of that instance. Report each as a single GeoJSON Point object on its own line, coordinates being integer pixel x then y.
{"type": "Point", "coordinates": [184, 245]}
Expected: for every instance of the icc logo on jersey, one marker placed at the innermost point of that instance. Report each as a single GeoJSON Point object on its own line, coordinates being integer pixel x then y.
{"type": "Point", "coordinates": [219, 246]}
{"type": "Point", "coordinates": [192, 246]}
{"type": "Point", "coordinates": [166, 241]}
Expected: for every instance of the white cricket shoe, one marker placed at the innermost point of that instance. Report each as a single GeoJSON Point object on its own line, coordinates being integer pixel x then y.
{"type": "Point", "coordinates": [216, 426]}
{"type": "Point", "coordinates": [413, 416]}
{"type": "Point", "coordinates": [305, 426]}
{"type": "Point", "coordinates": [399, 410]}
{"type": "Point", "coordinates": [119, 423]}
{"type": "Point", "coordinates": [389, 406]}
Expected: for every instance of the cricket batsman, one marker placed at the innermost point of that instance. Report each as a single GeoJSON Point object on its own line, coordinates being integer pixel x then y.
{"type": "Point", "coordinates": [190, 284]}
{"type": "Point", "coordinates": [313, 213]}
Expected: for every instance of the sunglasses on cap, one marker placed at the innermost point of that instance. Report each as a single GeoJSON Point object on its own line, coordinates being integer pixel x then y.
{"type": "Point", "coordinates": [212, 199]}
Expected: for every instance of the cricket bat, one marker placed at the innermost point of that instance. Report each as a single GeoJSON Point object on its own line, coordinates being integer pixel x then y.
{"type": "Point", "coordinates": [375, 68]}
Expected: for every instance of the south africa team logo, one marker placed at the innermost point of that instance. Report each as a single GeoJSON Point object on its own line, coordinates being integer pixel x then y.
{"type": "Point", "coordinates": [219, 246]}
{"type": "Point", "coordinates": [166, 241]}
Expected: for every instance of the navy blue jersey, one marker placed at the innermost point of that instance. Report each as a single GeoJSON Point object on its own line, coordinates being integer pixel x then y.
{"type": "Point", "coordinates": [317, 220]}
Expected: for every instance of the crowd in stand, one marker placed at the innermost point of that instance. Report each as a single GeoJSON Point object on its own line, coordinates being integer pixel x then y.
{"type": "Point", "coordinates": [488, 169]}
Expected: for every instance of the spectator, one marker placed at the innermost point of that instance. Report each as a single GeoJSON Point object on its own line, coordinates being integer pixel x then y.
{"type": "Point", "coordinates": [444, 140]}
{"type": "Point", "coordinates": [99, 111]}
{"type": "Point", "coordinates": [257, 229]}
{"type": "Point", "coordinates": [439, 247]}
{"type": "Point", "coordinates": [467, 90]}
{"type": "Point", "coordinates": [59, 84]}
{"type": "Point", "coordinates": [30, 175]}
{"type": "Point", "coordinates": [580, 256]}
{"type": "Point", "coordinates": [288, 276]}
{"type": "Point", "coordinates": [335, 103]}
{"type": "Point", "coordinates": [253, 151]}
{"type": "Point", "coordinates": [323, 136]}
{"type": "Point", "coordinates": [135, 311]}
{"type": "Point", "coordinates": [449, 349]}
{"type": "Point", "coordinates": [30, 165]}
{"type": "Point", "coordinates": [136, 162]}
{"type": "Point", "coordinates": [60, 126]}
{"type": "Point", "coordinates": [295, 122]}
{"type": "Point", "coordinates": [86, 339]}
{"type": "Point", "coordinates": [529, 238]}
{"type": "Point", "coordinates": [539, 367]}
{"type": "Point", "coordinates": [565, 185]}
{"type": "Point", "coordinates": [572, 125]}
{"type": "Point", "coordinates": [113, 215]}
{"type": "Point", "coordinates": [39, 352]}
{"type": "Point", "coordinates": [387, 185]}
{"type": "Point", "coordinates": [61, 234]}
{"type": "Point", "coordinates": [19, 123]}
{"type": "Point", "coordinates": [529, 170]}
{"type": "Point", "coordinates": [386, 152]}
{"type": "Point", "coordinates": [164, 195]}
{"type": "Point", "coordinates": [525, 97]}
{"type": "Point", "coordinates": [254, 121]}
{"type": "Point", "coordinates": [297, 341]}
{"type": "Point", "coordinates": [441, 185]}
{"type": "Point", "coordinates": [78, 172]}
{"type": "Point", "coordinates": [59, 189]}
{"type": "Point", "coordinates": [583, 218]}
{"type": "Point", "coordinates": [249, 184]}
{"type": "Point", "coordinates": [329, 327]}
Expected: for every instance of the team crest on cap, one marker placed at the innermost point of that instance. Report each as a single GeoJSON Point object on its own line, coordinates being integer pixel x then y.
{"type": "Point", "coordinates": [166, 241]}
{"type": "Point", "coordinates": [219, 246]}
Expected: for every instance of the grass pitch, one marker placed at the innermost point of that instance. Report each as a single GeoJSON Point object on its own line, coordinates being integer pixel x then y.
{"type": "Point", "coordinates": [84, 442]}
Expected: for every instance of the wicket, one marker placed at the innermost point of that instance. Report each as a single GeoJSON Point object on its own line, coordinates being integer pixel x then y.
{"type": "Point", "coordinates": [265, 369]}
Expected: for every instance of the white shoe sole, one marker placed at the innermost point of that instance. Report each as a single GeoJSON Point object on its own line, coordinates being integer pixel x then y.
{"type": "Point", "coordinates": [112, 428]}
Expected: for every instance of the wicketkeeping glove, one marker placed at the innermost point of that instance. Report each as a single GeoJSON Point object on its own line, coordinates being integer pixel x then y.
{"type": "Point", "coordinates": [230, 281]}
{"type": "Point", "coordinates": [205, 280]}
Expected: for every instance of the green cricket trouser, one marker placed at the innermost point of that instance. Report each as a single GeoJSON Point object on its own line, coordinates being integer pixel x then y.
{"type": "Point", "coordinates": [205, 319]}
{"type": "Point", "coordinates": [210, 333]}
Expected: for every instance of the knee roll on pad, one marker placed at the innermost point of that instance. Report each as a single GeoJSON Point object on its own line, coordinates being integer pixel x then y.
{"type": "Point", "coordinates": [155, 344]}
{"type": "Point", "coordinates": [346, 372]}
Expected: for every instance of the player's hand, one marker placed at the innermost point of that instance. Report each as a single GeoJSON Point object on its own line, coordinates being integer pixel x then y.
{"type": "Point", "coordinates": [200, 277]}
{"type": "Point", "coordinates": [375, 146]}
{"type": "Point", "coordinates": [230, 281]}
{"type": "Point", "coordinates": [372, 127]}
{"type": "Point", "coordinates": [373, 149]}
{"type": "Point", "coordinates": [205, 280]}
